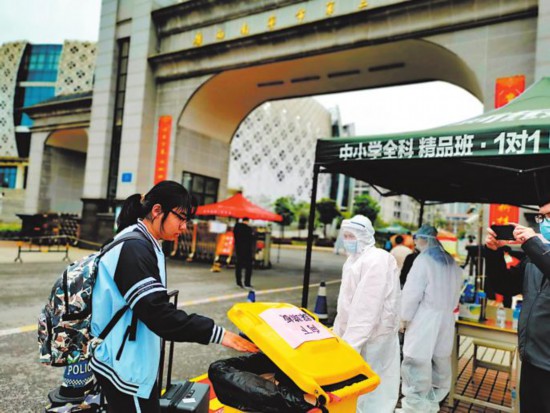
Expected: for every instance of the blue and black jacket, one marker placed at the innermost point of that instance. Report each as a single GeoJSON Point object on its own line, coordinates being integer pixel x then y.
{"type": "Point", "coordinates": [133, 273]}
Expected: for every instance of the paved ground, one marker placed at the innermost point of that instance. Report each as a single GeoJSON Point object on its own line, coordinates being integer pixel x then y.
{"type": "Point", "coordinates": [24, 383]}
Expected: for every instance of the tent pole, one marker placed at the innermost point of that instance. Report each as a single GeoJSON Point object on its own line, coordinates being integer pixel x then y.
{"type": "Point", "coordinates": [311, 223]}
{"type": "Point", "coordinates": [421, 215]}
{"type": "Point", "coordinates": [479, 243]}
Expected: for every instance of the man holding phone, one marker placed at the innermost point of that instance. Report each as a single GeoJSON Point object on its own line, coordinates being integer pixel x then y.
{"type": "Point", "coordinates": [532, 278]}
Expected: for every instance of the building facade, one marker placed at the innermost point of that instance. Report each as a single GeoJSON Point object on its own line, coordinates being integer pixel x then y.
{"type": "Point", "coordinates": [185, 74]}
{"type": "Point", "coordinates": [35, 73]}
{"type": "Point", "coordinates": [271, 154]}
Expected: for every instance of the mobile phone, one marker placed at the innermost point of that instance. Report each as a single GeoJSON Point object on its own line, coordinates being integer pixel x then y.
{"type": "Point", "coordinates": [504, 232]}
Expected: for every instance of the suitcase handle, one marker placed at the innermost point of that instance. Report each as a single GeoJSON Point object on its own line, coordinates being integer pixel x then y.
{"type": "Point", "coordinates": [172, 294]}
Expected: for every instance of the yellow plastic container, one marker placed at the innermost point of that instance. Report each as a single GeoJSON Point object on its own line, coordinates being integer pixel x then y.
{"type": "Point", "coordinates": [328, 369]}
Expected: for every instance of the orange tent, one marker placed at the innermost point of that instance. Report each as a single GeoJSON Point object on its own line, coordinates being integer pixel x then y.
{"type": "Point", "coordinates": [238, 207]}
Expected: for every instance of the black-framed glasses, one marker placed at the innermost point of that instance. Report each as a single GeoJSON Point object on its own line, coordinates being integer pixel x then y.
{"type": "Point", "coordinates": [183, 218]}
{"type": "Point", "coordinates": [541, 217]}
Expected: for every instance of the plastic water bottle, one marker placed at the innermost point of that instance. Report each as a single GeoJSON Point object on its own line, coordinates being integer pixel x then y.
{"type": "Point", "coordinates": [501, 312]}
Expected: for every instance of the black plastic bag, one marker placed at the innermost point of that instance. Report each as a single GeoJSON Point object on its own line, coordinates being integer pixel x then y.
{"type": "Point", "coordinates": [237, 383]}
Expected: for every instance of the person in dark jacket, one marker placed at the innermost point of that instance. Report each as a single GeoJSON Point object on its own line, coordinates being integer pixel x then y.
{"type": "Point", "coordinates": [244, 249]}
{"type": "Point", "coordinates": [534, 323]}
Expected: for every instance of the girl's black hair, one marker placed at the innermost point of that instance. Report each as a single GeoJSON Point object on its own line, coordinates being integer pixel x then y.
{"type": "Point", "coordinates": [169, 194]}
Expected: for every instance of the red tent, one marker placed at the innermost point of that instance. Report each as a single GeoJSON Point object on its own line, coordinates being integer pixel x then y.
{"type": "Point", "coordinates": [238, 207]}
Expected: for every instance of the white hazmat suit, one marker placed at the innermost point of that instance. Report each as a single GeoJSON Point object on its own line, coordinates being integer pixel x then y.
{"type": "Point", "coordinates": [368, 312]}
{"type": "Point", "coordinates": [429, 297]}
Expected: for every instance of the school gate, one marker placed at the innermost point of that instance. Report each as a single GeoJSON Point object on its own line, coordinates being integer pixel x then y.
{"type": "Point", "coordinates": [173, 80]}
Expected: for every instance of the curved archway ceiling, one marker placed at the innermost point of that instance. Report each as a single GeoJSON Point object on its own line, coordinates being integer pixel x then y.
{"type": "Point", "coordinates": [217, 108]}
{"type": "Point", "coordinates": [70, 139]}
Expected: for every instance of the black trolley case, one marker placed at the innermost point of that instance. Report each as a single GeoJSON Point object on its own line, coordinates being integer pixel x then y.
{"type": "Point", "coordinates": [180, 396]}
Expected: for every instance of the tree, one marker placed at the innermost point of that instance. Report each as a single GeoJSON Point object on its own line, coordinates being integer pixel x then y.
{"type": "Point", "coordinates": [301, 213]}
{"type": "Point", "coordinates": [284, 206]}
{"type": "Point", "coordinates": [366, 205]}
{"type": "Point", "coordinates": [327, 212]}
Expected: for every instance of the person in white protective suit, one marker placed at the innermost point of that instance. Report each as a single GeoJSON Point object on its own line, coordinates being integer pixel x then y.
{"type": "Point", "coordinates": [368, 311]}
{"type": "Point", "coordinates": [429, 297]}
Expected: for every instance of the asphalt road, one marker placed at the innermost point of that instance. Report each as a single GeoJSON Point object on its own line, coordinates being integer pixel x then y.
{"type": "Point", "coordinates": [24, 383]}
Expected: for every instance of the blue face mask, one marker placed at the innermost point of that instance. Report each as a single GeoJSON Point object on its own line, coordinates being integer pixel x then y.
{"type": "Point", "coordinates": [350, 246]}
{"type": "Point", "coordinates": [545, 229]}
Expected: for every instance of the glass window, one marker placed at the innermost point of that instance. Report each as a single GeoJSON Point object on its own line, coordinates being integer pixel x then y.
{"type": "Point", "coordinates": [8, 176]}
{"type": "Point", "coordinates": [198, 184]}
{"type": "Point", "coordinates": [40, 63]}
{"type": "Point", "coordinates": [123, 49]}
{"type": "Point", "coordinates": [211, 186]}
{"type": "Point", "coordinates": [32, 96]}
{"type": "Point", "coordinates": [203, 188]}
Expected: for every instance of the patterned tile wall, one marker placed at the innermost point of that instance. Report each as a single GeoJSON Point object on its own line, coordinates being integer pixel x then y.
{"type": "Point", "coordinates": [273, 151]}
{"type": "Point", "coordinates": [10, 58]}
{"type": "Point", "coordinates": [76, 67]}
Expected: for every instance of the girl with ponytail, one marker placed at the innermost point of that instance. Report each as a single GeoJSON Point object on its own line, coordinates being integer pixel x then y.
{"type": "Point", "coordinates": [132, 277]}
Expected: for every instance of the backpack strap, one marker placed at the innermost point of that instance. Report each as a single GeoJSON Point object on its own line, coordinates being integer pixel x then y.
{"type": "Point", "coordinates": [113, 322]}
{"type": "Point", "coordinates": [125, 237]}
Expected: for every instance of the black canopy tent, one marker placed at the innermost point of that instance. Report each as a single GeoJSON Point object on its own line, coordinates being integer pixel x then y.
{"type": "Point", "coordinates": [502, 156]}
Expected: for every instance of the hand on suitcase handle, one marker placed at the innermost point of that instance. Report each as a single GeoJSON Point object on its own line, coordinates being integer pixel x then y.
{"type": "Point", "coordinates": [234, 341]}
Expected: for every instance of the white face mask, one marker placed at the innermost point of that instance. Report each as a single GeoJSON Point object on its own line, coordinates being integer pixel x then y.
{"type": "Point", "coordinates": [350, 246]}
{"type": "Point", "coordinates": [421, 245]}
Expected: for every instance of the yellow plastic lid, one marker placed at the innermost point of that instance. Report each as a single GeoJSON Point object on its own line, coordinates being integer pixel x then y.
{"type": "Point", "coordinates": [319, 367]}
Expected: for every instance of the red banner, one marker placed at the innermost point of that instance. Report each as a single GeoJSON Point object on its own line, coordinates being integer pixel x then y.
{"type": "Point", "coordinates": [508, 88]}
{"type": "Point", "coordinates": [163, 148]}
{"type": "Point", "coordinates": [502, 214]}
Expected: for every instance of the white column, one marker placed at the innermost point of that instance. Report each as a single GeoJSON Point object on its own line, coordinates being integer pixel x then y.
{"type": "Point", "coordinates": [101, 121]}
{"type": "Point", "coordinates": [34, 175]}
{"type": "Point", "coordinates": [137, 150]}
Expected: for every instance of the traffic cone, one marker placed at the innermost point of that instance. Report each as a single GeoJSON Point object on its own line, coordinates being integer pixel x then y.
{"type": "Point", "coordinates": [251, 296]}
{"type": "Point", "coordinates": [321, 309]}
